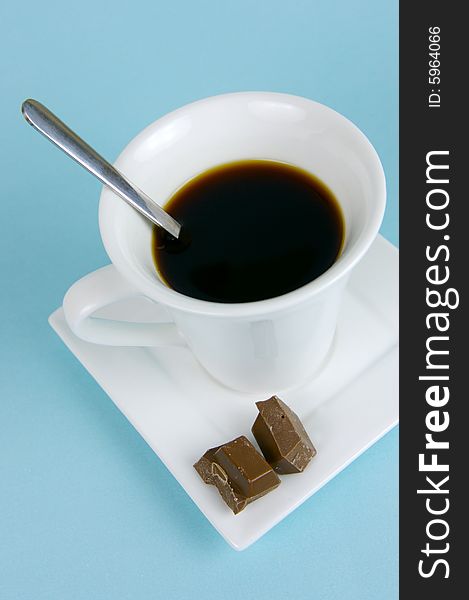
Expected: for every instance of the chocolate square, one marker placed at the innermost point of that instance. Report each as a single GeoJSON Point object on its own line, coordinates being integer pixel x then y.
{"type": "Point", "coordinates": [239, 472]}
{"type": "Point", "coordinates": [281, 437]}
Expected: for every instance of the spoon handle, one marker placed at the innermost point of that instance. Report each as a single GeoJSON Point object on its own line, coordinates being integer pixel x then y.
{"type": "Point", "coordinates": [42, 119]}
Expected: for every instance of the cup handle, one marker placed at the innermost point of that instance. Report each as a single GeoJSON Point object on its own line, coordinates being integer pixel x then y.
{"type": "Point", "coordinates": [99, 289]}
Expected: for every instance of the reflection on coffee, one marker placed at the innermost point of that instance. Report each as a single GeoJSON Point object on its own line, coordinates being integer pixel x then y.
{"type": "Point", "coordinates": [252, 230]}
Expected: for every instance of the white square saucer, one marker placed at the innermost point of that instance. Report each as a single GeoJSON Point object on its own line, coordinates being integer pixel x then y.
{"type": "Point", "coordinates": [181, 411]}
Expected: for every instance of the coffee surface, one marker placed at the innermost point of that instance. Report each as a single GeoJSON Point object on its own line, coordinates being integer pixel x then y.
{"type": "Point", "coordinates": [251, 230]}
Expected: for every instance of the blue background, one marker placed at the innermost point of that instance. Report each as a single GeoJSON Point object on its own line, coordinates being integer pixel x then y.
{"type": "Point", "coordinates": [87, 511]}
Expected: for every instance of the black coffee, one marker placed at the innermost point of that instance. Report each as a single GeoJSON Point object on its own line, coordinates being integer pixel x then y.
{"type": "Point", "coordinates": [251, 230]}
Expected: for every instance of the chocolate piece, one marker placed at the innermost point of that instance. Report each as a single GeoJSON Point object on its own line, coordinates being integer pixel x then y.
{"type": "Point", "coordinates": [239, 472]}
{"type": "Point", "coordinates": [282, 437]}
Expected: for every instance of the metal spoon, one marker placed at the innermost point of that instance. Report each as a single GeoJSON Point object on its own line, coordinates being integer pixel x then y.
{"type": "Point", "coordinates": [37, 115]}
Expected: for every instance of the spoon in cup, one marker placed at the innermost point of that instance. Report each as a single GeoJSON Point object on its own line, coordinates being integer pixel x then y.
{"type": "Point", "coordinates": [42, 119]}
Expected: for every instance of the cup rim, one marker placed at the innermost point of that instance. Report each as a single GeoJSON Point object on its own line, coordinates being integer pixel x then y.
{"type": "Point", "coordinates": [174, 299]}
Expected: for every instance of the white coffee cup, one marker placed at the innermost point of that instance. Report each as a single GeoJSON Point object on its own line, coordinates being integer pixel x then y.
{"type": "Point", "coordinates": [262, 347]}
